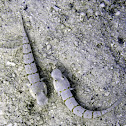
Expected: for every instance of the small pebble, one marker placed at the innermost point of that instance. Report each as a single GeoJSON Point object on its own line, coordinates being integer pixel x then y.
{"type": "Point", "coordinates": [107, 94]}
{"type": "Point", "coordinates": [96, 13]}
{"type": "Point", "coordinates": [76, 43]}
{"type": "Point", "coordinates": [117, 13]}
{"type": "Point", "coordinates": [48, 47]}
{"type": "Point", "coordinates": [10, 63]}
{"type": "Point", "coordinates": [56, 8]}
{"type": "Point", "coordinates": [102, 5]}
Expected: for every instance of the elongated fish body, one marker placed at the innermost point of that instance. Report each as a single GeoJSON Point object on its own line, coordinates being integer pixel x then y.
{"type": "Point", "coordinates": [62, 86]}
{"type": "Point", "coordinates": [37, 87]}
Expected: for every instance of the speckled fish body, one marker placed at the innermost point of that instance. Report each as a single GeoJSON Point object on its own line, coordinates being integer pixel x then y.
{"type": "Point", "coordinates": [62, 86]}
{"type": "Point", "coordinates": [37, 87]}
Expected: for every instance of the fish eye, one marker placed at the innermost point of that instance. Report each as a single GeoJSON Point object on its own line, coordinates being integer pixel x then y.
{"type": "Point", "coordinates": [63, 78]}
{"type": "Point", "coordinates": [56, 80]}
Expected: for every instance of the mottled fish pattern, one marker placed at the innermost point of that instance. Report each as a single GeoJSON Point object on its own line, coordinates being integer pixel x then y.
{"type": "Point", "coordinates": [62, 86]}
